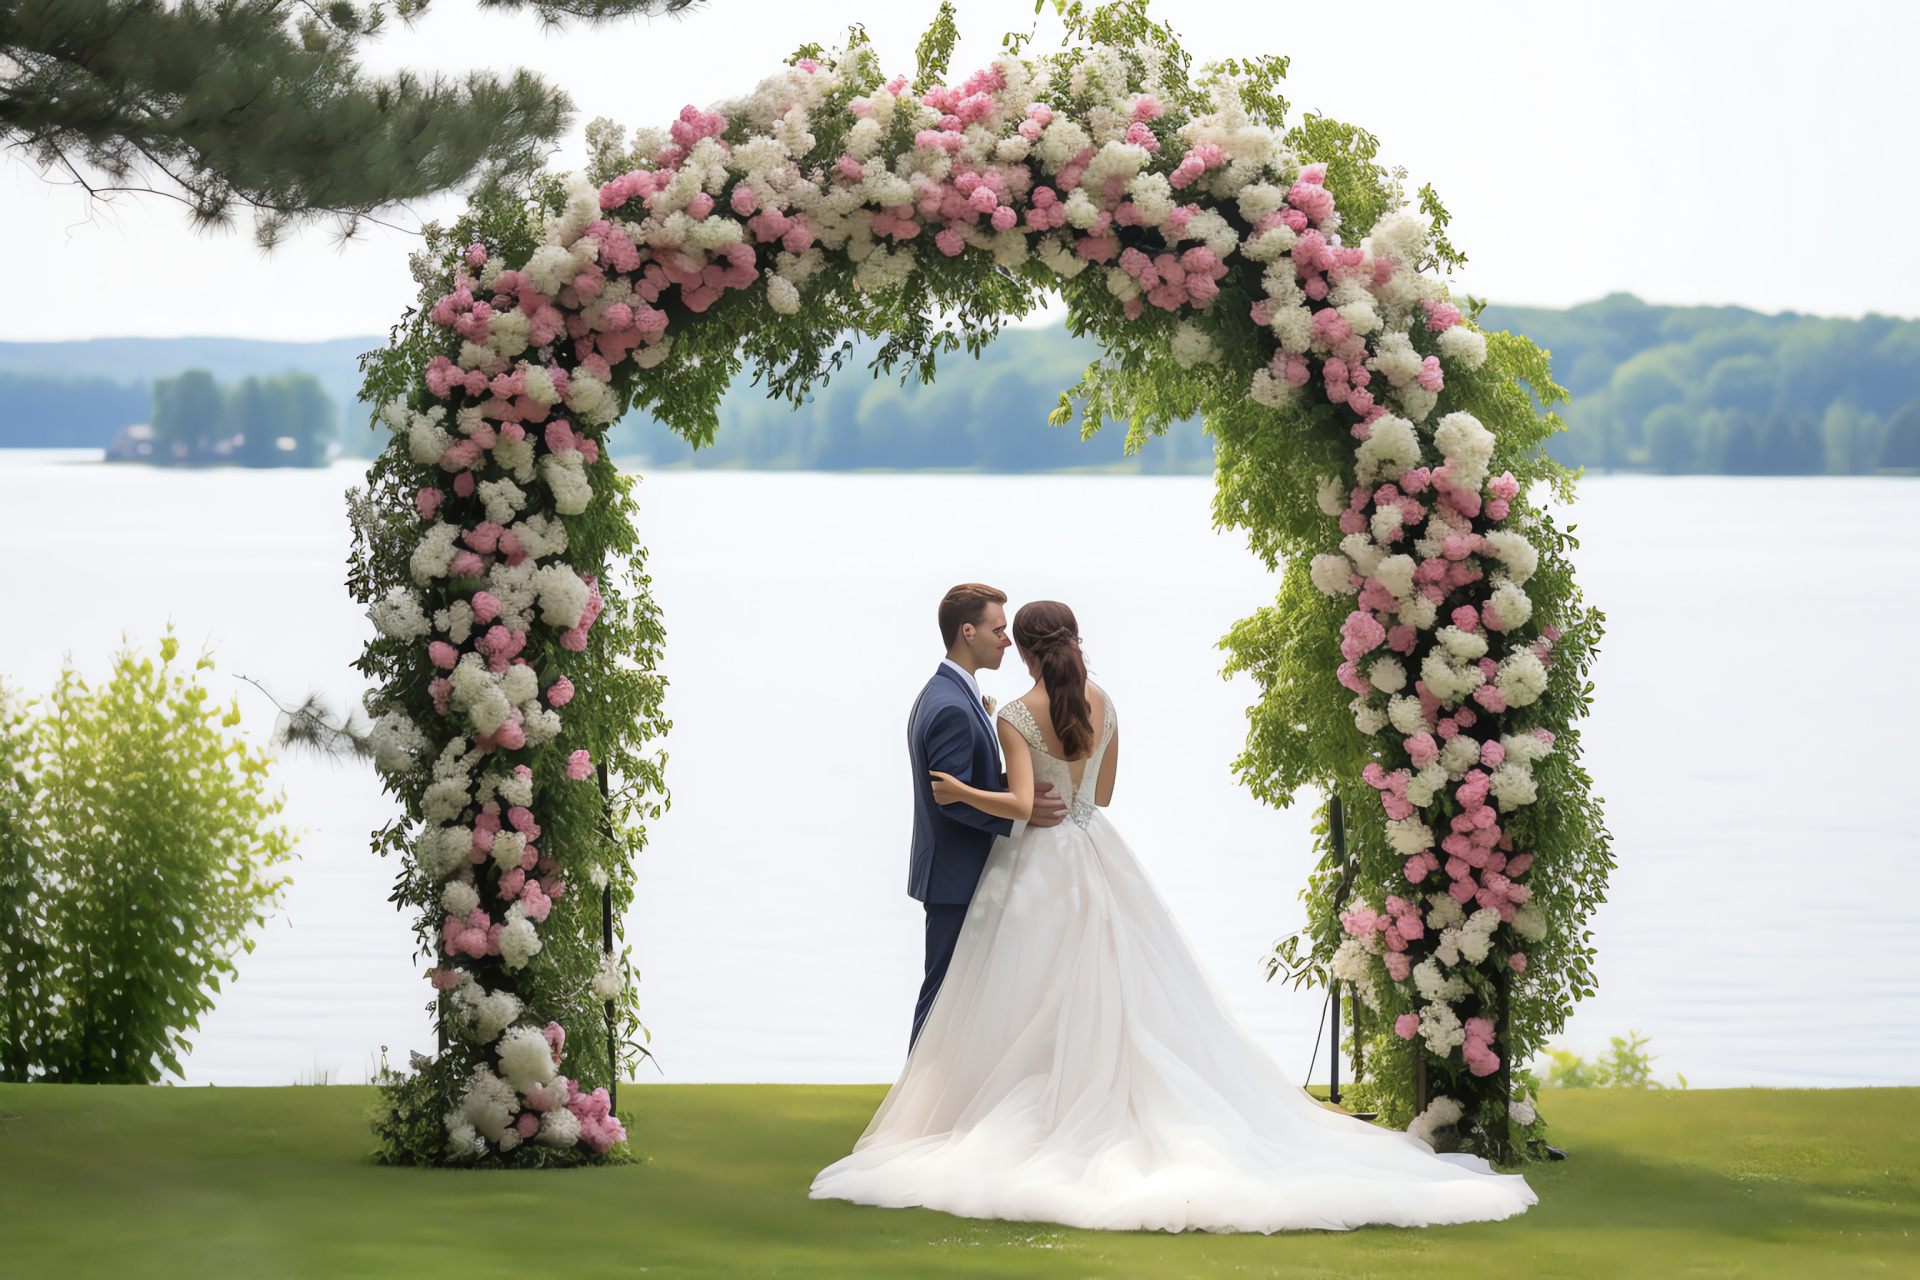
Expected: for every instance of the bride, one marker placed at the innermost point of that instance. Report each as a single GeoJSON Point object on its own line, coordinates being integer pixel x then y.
{"type": "Point", "coordinates": [1078, 1065]}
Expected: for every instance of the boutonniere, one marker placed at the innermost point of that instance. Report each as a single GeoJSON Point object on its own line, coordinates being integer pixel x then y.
{"type": "Point", "coordinates": [990, 703]}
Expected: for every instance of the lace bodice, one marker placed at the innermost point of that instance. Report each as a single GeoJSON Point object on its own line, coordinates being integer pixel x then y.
{"type": "Point", "coordinates": [1073, 781]}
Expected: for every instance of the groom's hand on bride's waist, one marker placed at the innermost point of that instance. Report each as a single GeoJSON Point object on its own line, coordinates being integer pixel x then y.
{"type": "Point", "coordinates": [1048, 808]}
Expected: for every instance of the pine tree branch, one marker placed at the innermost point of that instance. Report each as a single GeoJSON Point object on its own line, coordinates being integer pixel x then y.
{"type": "Point", "coordinates": [261, 105]}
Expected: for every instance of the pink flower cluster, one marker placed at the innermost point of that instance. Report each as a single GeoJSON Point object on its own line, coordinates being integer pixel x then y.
{"type": "Point", "coordinates": [1398, 925]}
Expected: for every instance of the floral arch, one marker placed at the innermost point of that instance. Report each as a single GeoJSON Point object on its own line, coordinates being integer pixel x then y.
{"type": "Point", "coordinates": [1424, 662]}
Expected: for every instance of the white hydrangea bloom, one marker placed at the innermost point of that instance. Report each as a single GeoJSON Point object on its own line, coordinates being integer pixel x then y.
{"type": "Point", "coordinates": [1395, 573]}
{"type": "Point", "coordinates": [1333, 575]}
{"type": "Point", "coordinates": [1330, 495]}
{"type": "Point", "coordinates": [397, 743]}
{"type": "Point", "coordinates": [519, 943]}
{"type": "Point", "coordinates": [1513, 786]}
{"type": "Point", "coordinates": [563, 595]}
{"type": "Point", "coordinates": [1530, 922]}
{"type": "Point", "coordinates": [435, 553]}
{"type": "Point", "coordinates": [1470, 445]}
{"type": "Point", "coordinates": [503, 498]}
{"type": "Point", "coordinates": [1390, 449]}
{"type": "Point", "coordinates": [1465, 345]}
{"type": "Point", "coordinates": [508, 848]}
{"type": "Point", "coordinates": [1360, 549]}
{"type": "Point", "coordinates": [444, 800]}
{"type": "Point", "coordinates": [427, 439]}
{"type": "Point", "coordinates": [1440, 1113]}
{"type": "Point", "coordinates": [1440, 1028]}
{"type": "Point", "coordinates": [1515, 552]}
{"type": "Point", "coordinates": [459, 898]}
{"type": "Point", "coordinates": [515, 789]}
{"type": "Point", "coordinates": [456, 620]}
{"type": "Point", "coordinates": [1426, 784]}
{"type": "Point", "coordinates": [1387, 674]}
{"type": "Point", "coordinates": [1409, 836]}
{"type": "Point", "coordinates": [1395, 359]}
{"type": "Point", "coordinates": [488, 1106]}
{"type": "Point", "coordinates": [1445, 913]}
{"type": "Point", "coordinates": [559, 1127]}
{"type": "Point", "coordinates": [1418, 611]}
{"type": "Point", "coordinates": [1511, 603]}
{"type": "Point", "coordinates": [442, 850]}
{"type": "Point", "coordinates": [541, 726]}
{"type": "Point", "coordinates": [1385, 521]}
{"type": "Point", "coordinates": [1459, 754]}
{"type": "Point", "coordinates": [782, 295]}
{"type": "Point", "coordinates": [398, 615]}
{"type": "Point", "coordinates": [1476, 939]}
{"type": "Point", "coordinates": [1462, 644]}
{"type": "Point", "coordinates": [566, 475]}
{"type": "Point", "coordinates": [488, 1013]}
{"type": "Point", "coordinates": [1368, 718]}
{"type": "Point", "coordinates": [1406, 715]}
{"type": "Point", "coordinates": [1450, 679]}
{"type": "Point", "coordinates": [516, 457]}
{"type": "Point", "coordinates": [1436, 985]}
{"type": "Point", "coordinates": [1191, 345]}
{"type": "Point", "coordinates": [1525, 747]}
{"type": "Point", "coordinates": [1352, 962]}
{"type": "Point", "coordinates": [608, 980]}
{"type": "Point", "coordinates": [525, 1058]}
{"type": "Point", "coordinates": [1521, 678]}
{"type": "Point", "coordinates": [519, 684]}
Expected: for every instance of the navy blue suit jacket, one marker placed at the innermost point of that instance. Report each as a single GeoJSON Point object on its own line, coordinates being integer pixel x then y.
{"type": "Point", "coordinates": [948, 731]}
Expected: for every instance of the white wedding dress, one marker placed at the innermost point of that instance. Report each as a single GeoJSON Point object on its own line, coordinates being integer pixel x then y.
{"type": "Point", "coordinates": [1079, 1067]}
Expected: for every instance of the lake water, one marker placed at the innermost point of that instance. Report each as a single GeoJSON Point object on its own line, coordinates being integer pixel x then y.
{"type": "Point", "coordinates": [1752, 739]}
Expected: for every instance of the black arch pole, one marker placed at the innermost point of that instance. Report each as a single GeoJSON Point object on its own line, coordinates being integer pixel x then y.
{"type": "Point", "coordinates": [606, 947]}
{"type": "Point", "coordinates": [1337, 832]}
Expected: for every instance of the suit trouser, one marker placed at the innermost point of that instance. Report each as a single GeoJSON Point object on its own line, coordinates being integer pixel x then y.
{"type": "Point", "coordinates": [943, 933]}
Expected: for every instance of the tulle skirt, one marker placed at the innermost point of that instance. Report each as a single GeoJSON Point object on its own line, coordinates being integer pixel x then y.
{"type": "Point", "coordinates": [1080, 1067]}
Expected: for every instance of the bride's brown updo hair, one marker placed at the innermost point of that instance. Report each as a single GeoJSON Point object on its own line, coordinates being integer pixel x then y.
{"type": "Point", "coordinates": [1046, 631]}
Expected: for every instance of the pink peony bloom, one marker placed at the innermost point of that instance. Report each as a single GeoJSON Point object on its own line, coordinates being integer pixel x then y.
{"type": "Point", "coordinates": [427, 501]}
{"type": "Point", "coordinates": [1407, 1026]}
{"type": "Point", "coordinates": [1517, 962]}
{"type": "Point", "coordinates": [443, 655]}
{"type": "Point", "coordinates": [1360, 634]}
{"type": "Point", "coordinates": [1398, 966]}
{"type": "Point", "coordinates": [560, 692]}
{"type": "Point", "coordinates": [579, 766]}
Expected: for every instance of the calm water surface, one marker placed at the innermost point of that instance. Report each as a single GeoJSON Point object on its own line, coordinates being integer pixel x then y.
{"type": "Point", "coordinates": [1751, 739]}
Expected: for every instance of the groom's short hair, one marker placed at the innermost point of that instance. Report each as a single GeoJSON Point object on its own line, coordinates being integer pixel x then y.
{"type": "Point", "coordinates": [965, 605]}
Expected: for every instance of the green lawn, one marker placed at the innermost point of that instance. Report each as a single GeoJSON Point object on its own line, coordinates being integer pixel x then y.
{"type": "Point", "coordinates": [139, 1182]}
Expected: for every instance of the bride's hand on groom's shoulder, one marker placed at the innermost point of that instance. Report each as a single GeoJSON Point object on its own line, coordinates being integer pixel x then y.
{"type": "Point", "coordinates": [948, 789]}
{"type": "Point", "coordinates": [1048, 808]}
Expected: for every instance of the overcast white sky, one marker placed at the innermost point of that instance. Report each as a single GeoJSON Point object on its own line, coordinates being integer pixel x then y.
{"type": "Point", "coordinates": [1766, 154]}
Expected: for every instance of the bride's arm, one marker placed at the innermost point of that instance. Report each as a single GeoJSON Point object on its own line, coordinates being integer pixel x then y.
{"type": "Point", "coordinates": [1016, 802]}
{"type": "Point", "coordinates": [1109, 769]}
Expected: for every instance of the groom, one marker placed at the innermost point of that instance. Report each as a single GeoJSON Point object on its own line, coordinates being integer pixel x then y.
{"type": "Point", "coordinates": [950, 730]}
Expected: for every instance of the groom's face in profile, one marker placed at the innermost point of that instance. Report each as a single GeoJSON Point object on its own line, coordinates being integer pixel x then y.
{"type": "Point", "coordinates": [987, 641]}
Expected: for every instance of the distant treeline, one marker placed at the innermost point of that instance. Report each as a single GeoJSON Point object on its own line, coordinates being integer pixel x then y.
{"type": "Point", "coordinates": [83, 394]}
{"type": "Point", "coordinates": [257, 422]}
{"type": "Point", "coordinates": [1727, 391]}
{"type": "Point", "coordinates": [1678, 389]}
{"type": "Point", "coordinates": [988, 414]}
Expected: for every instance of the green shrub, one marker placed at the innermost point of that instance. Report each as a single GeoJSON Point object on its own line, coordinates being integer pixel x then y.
{"type": "Point", "coordinates": [136, 852]}
{"type": "Point", "coordinates": [1625, 1065]}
